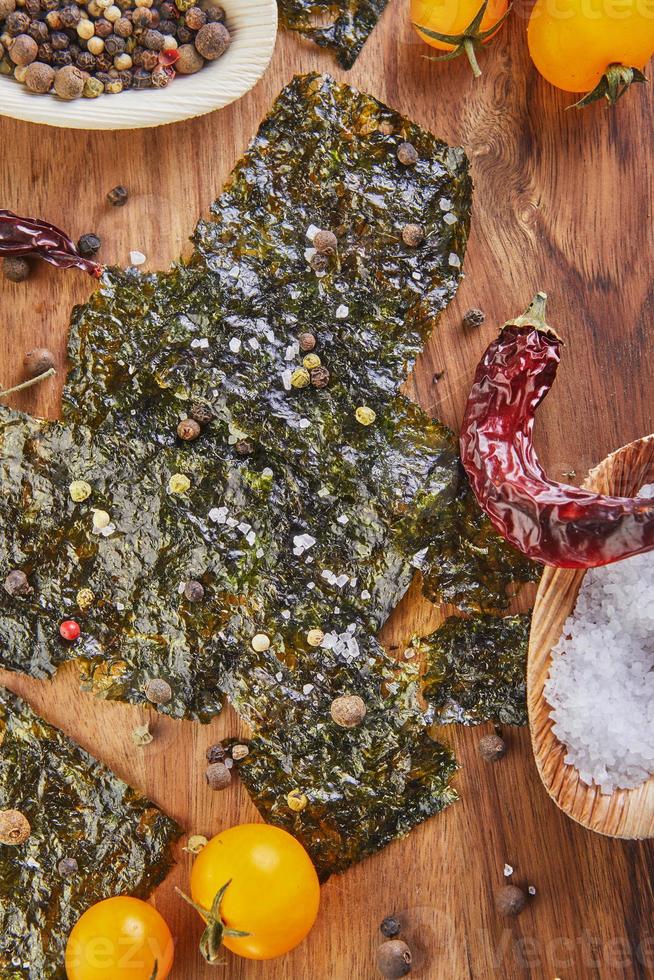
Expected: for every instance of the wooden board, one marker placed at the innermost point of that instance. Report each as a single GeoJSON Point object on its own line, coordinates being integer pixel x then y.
{"type": "Point", "coordinates": [563, 203]}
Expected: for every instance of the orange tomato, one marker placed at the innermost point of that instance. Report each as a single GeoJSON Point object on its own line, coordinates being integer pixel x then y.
{"type": "Point", "coordinates": [121, 938]}
{"type": "Point", "coordinates": [453, 17]}
{"type": "Point", "coordinates": [573, 42]}
{"type": "Point", "coordinates": [273, 892]}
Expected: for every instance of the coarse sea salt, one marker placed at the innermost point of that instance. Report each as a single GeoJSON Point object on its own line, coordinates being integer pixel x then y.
{"type": "Point", "coordinates": [601, 681]}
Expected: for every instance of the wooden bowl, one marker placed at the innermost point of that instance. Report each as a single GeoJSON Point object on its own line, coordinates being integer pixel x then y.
{"type": "Point", "coordinates": [625, 813]}
{"type": "Point", "coordinates": [253, 26]}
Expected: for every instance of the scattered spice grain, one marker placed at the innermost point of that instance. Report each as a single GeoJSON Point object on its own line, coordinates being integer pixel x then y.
{"type": "Point", "coordinates": [394, 959]}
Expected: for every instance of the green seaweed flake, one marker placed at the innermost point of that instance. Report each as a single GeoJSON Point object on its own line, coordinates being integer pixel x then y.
{"type": "Point", "coordinates": [475, 670]}
{"type": "Point", "coordinates": [76, 809]}
{"type": "Point", "coordinates": [349, 23]}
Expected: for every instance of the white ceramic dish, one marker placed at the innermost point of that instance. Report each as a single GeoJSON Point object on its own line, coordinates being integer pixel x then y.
{"type": "Point", "coordinates": [253, 26]}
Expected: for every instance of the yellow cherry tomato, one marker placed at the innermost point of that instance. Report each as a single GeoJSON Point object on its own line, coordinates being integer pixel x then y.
{"type": "Point", "coordinates": [573, 42]}
{"type": "Point", "coordinates": [121, 938]}
{"type": "Point", "coordinates": [453, 17]}
{"type": "Point", "coordinates": [273, 892]}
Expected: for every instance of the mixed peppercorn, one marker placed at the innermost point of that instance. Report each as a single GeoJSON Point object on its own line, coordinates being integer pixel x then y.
{"type": "Point", "coordinates": [92, 47]}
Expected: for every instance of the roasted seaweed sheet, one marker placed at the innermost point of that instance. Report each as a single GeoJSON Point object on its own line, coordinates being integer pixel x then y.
{"type": "Point", "coordinates": [347, 23]}
{"type": "Point", "coordinates": [294, 515]}
{"type": "Point", "coordinates": [475, 670]}
{"type": "Point", "coordinates": [76, 809]}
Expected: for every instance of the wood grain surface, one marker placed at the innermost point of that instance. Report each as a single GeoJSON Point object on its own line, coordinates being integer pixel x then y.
{"type": "Point", "coordinates": [563, 203]}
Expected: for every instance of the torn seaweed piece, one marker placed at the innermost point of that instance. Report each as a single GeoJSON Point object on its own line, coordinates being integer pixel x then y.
{"type": "Point", "coordinates": [77, 809]}
{"type": "Point", "coordinates": [364, 786]}
{"type": "Point", "coordinates": [475, 670]}
{"type": "Point", "coordinates": [347, 23]}
{"type": "Point", "coordinates": [463, 560]}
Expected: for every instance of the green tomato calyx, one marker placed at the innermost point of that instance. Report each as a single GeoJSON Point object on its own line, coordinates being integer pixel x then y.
{"type": "Point", "coordinates": [468, 41]}
{"type": "Point", "coordinates": [216, 929]}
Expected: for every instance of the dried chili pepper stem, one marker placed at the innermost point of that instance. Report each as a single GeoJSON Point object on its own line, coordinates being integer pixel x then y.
{"type": "Point", "coordinates": [550, 522]}
{"type": "Point", "coordinates": [28, 384]}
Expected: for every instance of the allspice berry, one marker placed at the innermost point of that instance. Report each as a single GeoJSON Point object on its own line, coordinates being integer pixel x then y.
{"type": "Point", "coordinates": [190, 60]}
{"type": "Point", "coordinates": [407, 154]}
{"type": "Point", "coordinates": [194, 591]}
{"type": "Point", "coordinates": [23, 50]}
{"type": "Point", "coordinates": [307, 342]}
{"type": "Point", "coordinates": [14, 827]}
{"type": "Point", "coordinates": [67, 867]}
{"type": "Point", "coordinates": [218, 775]}
{"type": "Point", "coordinates": [492, 748]}
{"type": "Point", "coordinates": [348, 710]}
{"type": "Point", "coordinates": [413, 235]}
{"type": "Point", "coordinates": [188, 430]}
{"type": "Point", "coordinates": [17, 583]}
{"type": "Point", "coordinates": [510, 900]}
{"type": "Point", "coordinates": [39, 77]}
{"type": "Point", "coordinates": [212, 41]}
{"type": "Point", "coordinates": [394, 959]}
{"type": "Point", "coordinates": [15, 269]}
{"type": "Point", "coordinates": [325, 242]}
{"type": "Point", "coordinates": [158, 691]}
{"type": "Point", "coordinates": [473, 318]}
{"type": "Point", "coordinates": [69, 83]}
{"type": "Point", "coordinates": [37, 361]}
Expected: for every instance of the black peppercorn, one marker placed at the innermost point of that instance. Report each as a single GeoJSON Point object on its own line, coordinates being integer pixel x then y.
{"type": "Point", "coordinates": [390, 927]}
{"type": "Point", "coordinates": [49, 5]}
{"type": "Point", "coordinates": [61, 59]}
{"type": "Point", "coordinates": [33, 8]}
{"type": "Point", "coordinates": [150, 61]}
{"type": "Point", "coordinates": [319, 377]}
{"type": "Point", "coordinates": [115, 45]}
{"type": "Point", "coordinates": [123, 27]}
{"type": "Point", "coordinates": [201, 413]}
{"type": "Point", "coordinates": [67, 867]}
{"type": "Point", "coordinates": [71, 15]}
{"type": "Point", "coordinates": [103, 28]}
{"type": "Point", "coordinates": [244, 447]}
{"type": "Point", "coordinates": [126, 78]}
{"type": "Point", "coordinates": [53, 20]}
{"type": "Point", "coordinates": [15, 269]}
{"type": "Point", "coordinates": [153, 40]}
{"type": "Point", "coordinates": [17, 583]}
{"type": "Point", "coordinates": [319, 262]}
{"type": "Point", "coordinates": [141, 78]}
{"type": "Point", "coordinates": [86, 61]}
{"type": "Point", "coordinates": [39, 31]}
{"type": "Point", "coordinates": [168, 27]}
{"type": "Point", "coordinates": [215, 14]}
{"type": "Point", "coordinates": [59, 41]}
{"type": "Point", "coordinates": [394, 959]}
{"type": "Point", "coordinates": [194, 591]}
{"type": "Point", "coordinates": [45, 53]}
{"type": "Point", "coordinates": [117, 196]}
{"type": "Point", "coordinates": [473, 318]}
{"type": "Point", "coordinates": [216, 753]}
{"type": "Point", "coordinates": [184, 35]}
{"type": "Point", "coordinates": [195, 18]}
{"type": "Point", "coordinates": [510, 900]}
{"type": "Point", "coordinates": [492, 748]}
{"type": "Point", "coordinates": [89, 245]}
{"type": "Point", "coordinates": [168, 10]}
{"type": "Point", "coordinates": [17, 23]}
{"type": "Point", "coordinates": [104, 64]}
{"type": "Point", "coordinates": [142, 17]}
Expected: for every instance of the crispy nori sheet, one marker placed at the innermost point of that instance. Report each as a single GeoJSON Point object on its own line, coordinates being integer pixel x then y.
{"type": "Point", "coordinates": [318, 523]}
{"type": "Point", "coordinates": [76, 809]}
{"type": "Point", "coordinates": [341, 25]}
{"type": "Point", "coordinates": [475, 670]}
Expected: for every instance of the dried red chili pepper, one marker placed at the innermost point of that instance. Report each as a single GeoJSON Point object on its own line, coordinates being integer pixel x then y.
{"type": "Point", "coordinates": [31, 237]}
{"type": "Point", "coordinates": [551, 522]}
